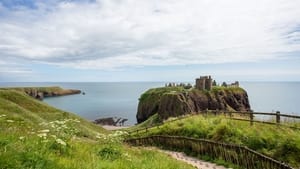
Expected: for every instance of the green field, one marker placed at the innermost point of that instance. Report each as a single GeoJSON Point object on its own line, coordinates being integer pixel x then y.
{"type": "Point", "coordinates": [35, 135]}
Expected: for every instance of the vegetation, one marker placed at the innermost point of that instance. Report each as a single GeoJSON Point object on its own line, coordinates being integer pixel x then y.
{"type": "Point", "coordinates": [35, 135]}
{"type": "Point", "coordinates": [160, 91]}
{"type": "Point", "coordinates": [279, 142]}
{"type": "Point", "coordinates": [40, 89]}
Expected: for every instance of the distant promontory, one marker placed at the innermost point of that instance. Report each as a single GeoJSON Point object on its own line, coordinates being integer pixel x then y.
{"type": "Point", "coordinates": [179, 99]}
{"type": "Point", "coordinates": [42, 92]}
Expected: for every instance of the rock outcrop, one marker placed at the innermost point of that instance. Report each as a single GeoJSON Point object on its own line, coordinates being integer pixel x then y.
{"type": "Point", "coordinates": [42, 92]}
{"type": "Point", "coordinates": [175, 101]}
{"type": "Point", "coordinates": [110, 121]}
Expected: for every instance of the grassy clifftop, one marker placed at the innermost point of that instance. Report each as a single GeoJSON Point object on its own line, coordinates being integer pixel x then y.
{"type": "Point", "coordinates": [35, 135]}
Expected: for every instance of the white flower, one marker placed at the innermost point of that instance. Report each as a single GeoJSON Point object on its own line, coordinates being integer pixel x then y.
{"type": "Point", "coordinates": [60, 122]}
{"type": "Point", "coordinates": [60, 141]}
{"type": "Point", "coordinates": [10, 121]}
{"type": "Point", "coordinates": [44, 131]}
{"type": "Point", "coordinates": [21, 138]}
{"type": "Point", "coordinates": [42, 135]}
{"type": "Point", "coordinates": [76, 120]}
{"type": "Point", "coordinates": [2, 115]}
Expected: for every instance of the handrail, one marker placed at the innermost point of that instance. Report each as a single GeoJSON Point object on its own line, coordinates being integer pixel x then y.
{"type": "Point", "coordinates": [251, 120]}
{"type": "Point", "coordinates": [236, 154]}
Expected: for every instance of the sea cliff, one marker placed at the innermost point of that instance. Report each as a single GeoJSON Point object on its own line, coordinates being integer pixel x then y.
{"type": "Point", "coordinates": [42, 92]}
{"type": "Point", "coordinates": [175, 101]}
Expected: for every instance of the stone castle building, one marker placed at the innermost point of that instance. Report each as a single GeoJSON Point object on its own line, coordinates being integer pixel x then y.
{"type": "Point", "coordinates": [204, 83]}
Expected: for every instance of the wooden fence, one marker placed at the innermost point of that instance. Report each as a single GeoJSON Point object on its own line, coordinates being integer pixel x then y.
{"type": "Point", "coordinates": [239, 155]}
{"type": "Point", "coordinates": [249, 116]}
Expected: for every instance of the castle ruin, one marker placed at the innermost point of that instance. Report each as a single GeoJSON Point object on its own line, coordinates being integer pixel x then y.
{"type": "Point", "coordinates": [204, 83]}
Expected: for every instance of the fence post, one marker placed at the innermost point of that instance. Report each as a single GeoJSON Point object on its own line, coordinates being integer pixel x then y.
{"type": "Point", "coordinates": [278, 117]}
{"type": "Point", "coordinates": [251, 118]}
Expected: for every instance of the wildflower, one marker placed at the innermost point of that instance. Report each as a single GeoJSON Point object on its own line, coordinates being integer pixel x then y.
{"type": "Point", "coordinates": [44, 131]}
{"type": "Point", "coordinates": [60, 141]}
{"type": "Point", "coordinates": [59, 122]}
{"type": "Point", "coordinates": [10, 121]}
{"type": "Point", "coordinates": [44, 135]}
{"type": "Point", "coordinates": [2, 115]}
{"type": "Point", "coordinates": [76, 120]}
{"type": "Point", "coordinates": [98, 135]}
{"type": "Point", "coordinates": [21, 138]}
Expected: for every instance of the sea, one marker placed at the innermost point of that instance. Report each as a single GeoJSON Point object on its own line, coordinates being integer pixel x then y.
{"type": "Point", "coordinates": [120, 99]}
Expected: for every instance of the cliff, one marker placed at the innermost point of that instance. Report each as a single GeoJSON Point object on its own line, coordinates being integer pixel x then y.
{"type": "Point", "coordinates": [175, 101]}
{"type": "Point", "coordinates": [42, 92]}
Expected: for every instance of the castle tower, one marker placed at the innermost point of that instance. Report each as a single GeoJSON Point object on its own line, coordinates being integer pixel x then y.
{"type": "Point", "coordinates": [200, 83]}
{"type": "Point", "coordinates": [208, 83]}
{"type": "Point", "coordinates": [204, 83]}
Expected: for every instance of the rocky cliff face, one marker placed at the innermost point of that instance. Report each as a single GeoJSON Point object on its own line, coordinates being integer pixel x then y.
{"type": "Point", "coordinates": [175, 101]}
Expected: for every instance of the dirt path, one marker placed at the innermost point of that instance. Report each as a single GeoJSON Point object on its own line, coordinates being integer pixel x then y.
{"type": "Point", "coordinates": [197, 163]}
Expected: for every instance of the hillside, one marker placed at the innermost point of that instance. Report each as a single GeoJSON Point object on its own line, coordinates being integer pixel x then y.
{"type": "Point", "coordinates": [279, 142]}
{"type": "Point", "coordinates": [175, 101]}
{"type": "Point", "coordinates": [35, 135]}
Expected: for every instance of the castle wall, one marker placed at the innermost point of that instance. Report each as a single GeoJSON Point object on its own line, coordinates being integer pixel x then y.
{"type": "Point", "coordinates": [204, 82]}
{"type": "Point", "coordinates": [208, 84]}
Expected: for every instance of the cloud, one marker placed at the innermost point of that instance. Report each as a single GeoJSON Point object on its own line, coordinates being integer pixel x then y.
{"type": "Point", "coordinates": [110, 34]}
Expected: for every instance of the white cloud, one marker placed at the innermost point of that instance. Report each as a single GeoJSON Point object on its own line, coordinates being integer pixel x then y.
{"type": "Point", "coordinates": [109, 34]}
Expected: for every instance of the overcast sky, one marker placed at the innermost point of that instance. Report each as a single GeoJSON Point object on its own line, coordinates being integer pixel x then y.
{"type": "Point", "coordinates": [149, 40]}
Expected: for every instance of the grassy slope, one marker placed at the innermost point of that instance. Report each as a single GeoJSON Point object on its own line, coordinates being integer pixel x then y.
{"type": "Point", "coordinates": [278, 142]}
{"type": "Point", "coordinates": [35, 135]}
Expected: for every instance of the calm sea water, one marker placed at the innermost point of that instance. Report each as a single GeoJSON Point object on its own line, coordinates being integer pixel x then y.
{"type": "Point", "coordinates": [120, 99]}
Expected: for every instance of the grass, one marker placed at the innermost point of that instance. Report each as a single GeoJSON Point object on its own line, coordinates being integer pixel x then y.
{"type": "Point", "coordinates": [159, 92]}
{"type": "Point", "coordinates": [279, 142]}
{"type": "Point", "coordinates": [35, 135]}
{"type": "Point", "coordinates": [40, 89]}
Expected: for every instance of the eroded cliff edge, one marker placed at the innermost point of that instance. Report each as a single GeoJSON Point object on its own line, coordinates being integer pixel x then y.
{"type": "Point", "coordinates": [176, 101]}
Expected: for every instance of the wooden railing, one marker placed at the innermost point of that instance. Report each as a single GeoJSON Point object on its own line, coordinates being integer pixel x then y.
{"type": "Point", "coordinates": [236, 154]}
{"type": "Point", "coordinates": [251, 115]}
{"type": "Point", "coordinates": [248, 116]}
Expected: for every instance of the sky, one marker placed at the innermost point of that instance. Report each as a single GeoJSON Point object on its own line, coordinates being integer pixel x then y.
{"type": "Point", "coordinates": [149, 40]}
